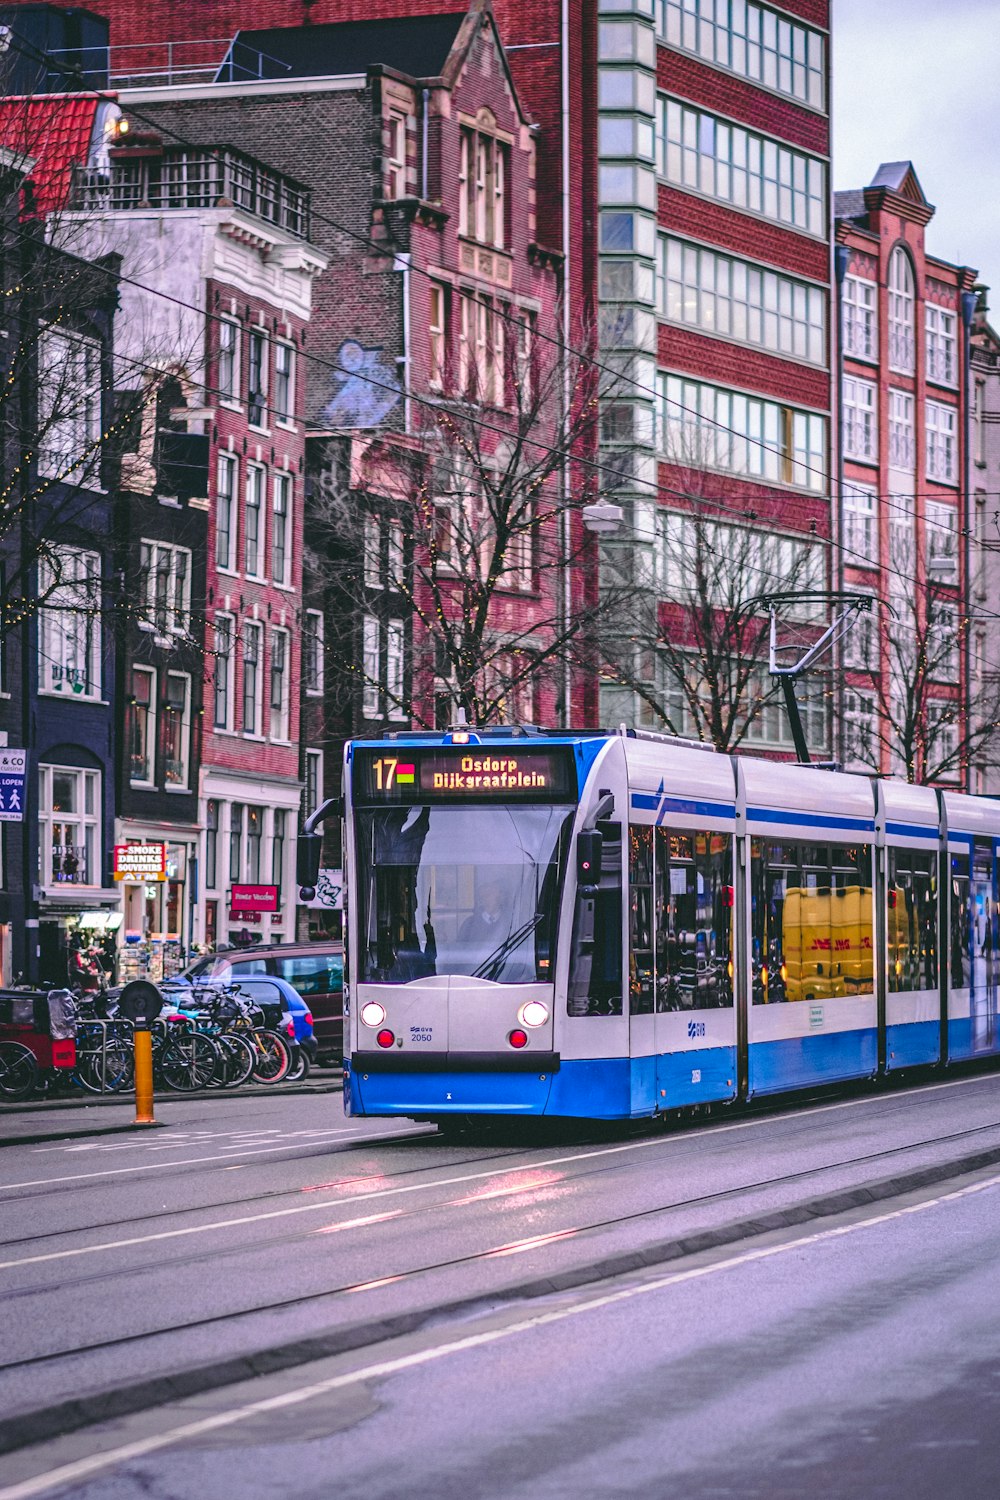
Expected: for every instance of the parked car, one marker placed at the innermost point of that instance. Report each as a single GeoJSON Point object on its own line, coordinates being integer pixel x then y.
{"type": "Point", "coordinates": [314, 970]}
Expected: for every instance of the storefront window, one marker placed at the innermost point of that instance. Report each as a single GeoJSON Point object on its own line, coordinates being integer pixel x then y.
{"type": "Point", "coordinates": [69, 810]}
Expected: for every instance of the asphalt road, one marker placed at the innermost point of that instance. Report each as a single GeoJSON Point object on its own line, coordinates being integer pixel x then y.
{"type": "Point", "coordinates": [857, 1356]}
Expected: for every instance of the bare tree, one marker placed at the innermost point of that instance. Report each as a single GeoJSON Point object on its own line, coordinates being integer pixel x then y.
{"type": "Point", "coordinates": [693, 649]}
{"type": "Point", "coordinates": [906, 708]}
{"type": "Point", "coordinates": [466, 533]}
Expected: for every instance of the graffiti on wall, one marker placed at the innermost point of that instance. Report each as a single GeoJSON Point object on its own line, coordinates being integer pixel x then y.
{"type": "Point", "coordinates": [365, 387]}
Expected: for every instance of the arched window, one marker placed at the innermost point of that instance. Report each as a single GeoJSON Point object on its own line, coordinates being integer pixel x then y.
{"type": "Point", "coordinates": [901, 356]}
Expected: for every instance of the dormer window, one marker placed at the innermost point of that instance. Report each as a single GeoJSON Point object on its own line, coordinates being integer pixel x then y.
{"type": "Point", "coordinates": [483, 172]}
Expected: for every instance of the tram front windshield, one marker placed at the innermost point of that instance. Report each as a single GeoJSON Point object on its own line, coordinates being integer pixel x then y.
{"type": "Point", "coordinates": [468, 890]}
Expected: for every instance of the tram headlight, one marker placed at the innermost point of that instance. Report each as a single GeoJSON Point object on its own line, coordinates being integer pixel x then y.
{"type": "Point", "coordinates": [533, 1013]}
{"type": "Point", "coordinates": [373, 1014]}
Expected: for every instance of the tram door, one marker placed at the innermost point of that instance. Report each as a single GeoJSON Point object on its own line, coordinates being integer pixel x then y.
{"type": "Point", "coordinates": [681, 963]}
{"type": "Point", "coordinates": [983, 938]}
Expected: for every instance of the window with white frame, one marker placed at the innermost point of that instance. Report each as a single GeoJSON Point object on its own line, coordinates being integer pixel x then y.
{"type": "Point", "coordinates": [373, 550]}
{"type": "Point", "coordinates": [257, 378]}
{"type": "Point", "coordinates": [69, 624]}
{"type": "Point", "coordinates": [281, 531]}
{"type": "Point", "coordinates": [979, 424]}
{"type": "Point", "coordinates": [177, 730]}
{"type": "Point", "coordinates": [395, 669]}
{"type": "Point", "coordinates": [483, 172]}
{"type": "Point", "coordinates": [902, 449]}
{"type": "Point", "coordinates": [211, 844]}
{"type": "Point", "coordinates": [166, 571]}
{"type": "Point", "coordinates": [859, 310]}
{"type": "Point", "coordinates": [395, 155]}
{"type": "Point", "coordinates": [705, 425]}
{"type": "Point", "coordinates": [222, 693]}
{"type": "Point", "coordinates": [253, 529]}
{"type": "Point", "coordinates": [279, 694]}
{"type": "Point", "coordinates": [525, 375]}
{"type": "Point", "coordinates": [942, 737]}
{"type": "Point", "coordinates": [901, 342]}
{"type": "Point", "coordinates": [312, 653]}
{"type": "Point", "coordinates": [396, 557]}
{"type": "Point", "coordinates": [942, 345]}
{"type": "Point", "coordinates": [279, 826]}
{"type": "Point", "coordinates": [519, 572]}
{"type": "Point", "coordinates": [371, 665]}
{"type": "Point", "coordinates": [750, 40]}
{"type": "Point", "coordinates": [284, 383]}
{"type": "Point", "coordinates": [861, 641]}
{"type": "Point", "coordinates": [225, 512]}
{"type": "Point", "coordinates": [860, 526]}
{"type": "Point", "coordinates": [69, 407]}
{"type": "Point", "coordinates": [942, 641]}
{"type": "Point", "coordinates": [942, 450]}
{"type": "Point", "coordinates": [235, 842]}
{"type": "Point", "coordinates": [312, 788]}
{"type": "Point", "coordinates": [255, 843]}
{"type": "Point", "coordinates": [228, 372]}
{"type": "Point", "coordinates": [860, 727]}
{"type": "Point", "coordinates": [684, 545]}
{"type": "Point", "coordinates": [860, 419]}
{"type": "Point", "coordinates": [252, 663]}
{"type": "Point", "coordinates": [69, 837]}
{"type": "Point", "coordinates": [941, 533]}
{"type": "Point", "coordinates": [437, 335]}
{"type": "Point", "coordinates": [740, 167]}
{"type": "Point", "coordinates": [718, 293]}
{"type": "Point", "coordinates": [142, 726]}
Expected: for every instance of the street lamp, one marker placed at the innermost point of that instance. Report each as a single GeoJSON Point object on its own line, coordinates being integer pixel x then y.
{"type": "Point", "coordinates": [602, 518]}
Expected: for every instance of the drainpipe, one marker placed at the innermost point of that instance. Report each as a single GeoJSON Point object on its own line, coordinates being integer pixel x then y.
{"type": "Point", "coordinates": [841, 260]}
{"type": "Point", "coordinates": [403, 266]}
{"type": "Point", "coordinates": [968, 309]}
{"type": "Point", "coordinates": [425, 95]}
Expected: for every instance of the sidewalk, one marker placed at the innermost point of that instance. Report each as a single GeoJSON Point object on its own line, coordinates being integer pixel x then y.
{"type": "Point", "coordinates": [36, 1121]}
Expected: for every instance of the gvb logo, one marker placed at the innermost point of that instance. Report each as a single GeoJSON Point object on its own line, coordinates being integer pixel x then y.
{"type": "Point", "coordinates": [696, 1028]}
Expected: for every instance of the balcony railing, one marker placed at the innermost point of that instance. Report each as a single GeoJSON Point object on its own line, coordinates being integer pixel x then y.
{"type": "Point", "coordinates": [197, 178]}
{"type": "Point", "coordinates": [135, 65]}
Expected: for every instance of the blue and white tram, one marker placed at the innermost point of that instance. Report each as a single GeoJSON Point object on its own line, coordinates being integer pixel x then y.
{"type": "Point", "coordinates": [613, 926]}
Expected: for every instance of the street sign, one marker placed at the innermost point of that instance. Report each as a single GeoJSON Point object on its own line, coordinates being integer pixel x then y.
{"type": "Point", "coordinates": [145, 862]}
{"type": "Point", "coordinates": [13, 770]}
{"type": "Point", "coordinates": [253, 898]}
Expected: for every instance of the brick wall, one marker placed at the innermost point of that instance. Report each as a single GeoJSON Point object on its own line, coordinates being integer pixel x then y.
{"type": "Point", "coordinates": [734, 364]}
{"type": "Point", "coordinates": [688, 78]}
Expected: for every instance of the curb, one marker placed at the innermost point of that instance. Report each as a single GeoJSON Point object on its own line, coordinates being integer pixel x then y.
{"type": "Point", "coordinates": [46, 1422]}
{"type": "Point", "coordinates": [68, 1133]}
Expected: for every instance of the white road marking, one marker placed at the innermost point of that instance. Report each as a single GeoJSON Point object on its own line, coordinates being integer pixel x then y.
{"type": "Point", "coordinates": [83, 1468]}
{"type": "Point", "coordinates": [193, 1161]}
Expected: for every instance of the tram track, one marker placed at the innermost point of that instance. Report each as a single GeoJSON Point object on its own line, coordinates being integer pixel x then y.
{"type": "Point", "coordinates": [454, 1263]}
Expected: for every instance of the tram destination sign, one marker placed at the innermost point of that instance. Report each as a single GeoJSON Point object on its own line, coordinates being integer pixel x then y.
{"type": "Point", "coordinates": [464, 773]}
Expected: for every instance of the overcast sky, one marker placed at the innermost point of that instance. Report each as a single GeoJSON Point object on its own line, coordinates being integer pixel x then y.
{"type": "Point", "coordinates": [916, 80]}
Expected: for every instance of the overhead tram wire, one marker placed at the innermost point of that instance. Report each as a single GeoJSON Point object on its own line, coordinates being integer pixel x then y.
{"type": "Point", "coordinates": [566, 349]}
{"type": "Point", "coordinates": [715, 506]}
{"type": "Point", "coordinates": [746, 516]}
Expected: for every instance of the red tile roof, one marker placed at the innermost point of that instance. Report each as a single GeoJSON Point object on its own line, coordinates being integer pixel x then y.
{"type": "Point", "coordinates": [55, 130]}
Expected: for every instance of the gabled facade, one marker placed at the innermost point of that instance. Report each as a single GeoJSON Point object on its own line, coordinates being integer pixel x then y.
{"type": "Point", "coordinates": [904, 319]}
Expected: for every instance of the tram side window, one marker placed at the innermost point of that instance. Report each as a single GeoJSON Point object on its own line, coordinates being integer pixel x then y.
{"type": "Point", "coordinates": [595, 980]}
{"type": "Point", "coordinates": [811, 921]}
{"type": "Point", "coordinates": [911, 920]}
{"type": "Point", "coordinates": [640, 912]}
{"type": "Point", "coordinates": [694, 920]}
{"type": "Point", "coordinates": [961, 923]}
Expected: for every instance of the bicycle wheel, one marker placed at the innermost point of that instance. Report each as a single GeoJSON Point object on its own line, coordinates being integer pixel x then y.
{"type": "Point", "coordinates": [18, 1070]}
{"type": "Point", "coordinates": [272, 1058]}
{"type": "Point", "coordinates": [236, 1060]}
{"type": "Point", "coordinates": [89, 1049]}
{"type": "Point", "coordinates": [188, 1062]}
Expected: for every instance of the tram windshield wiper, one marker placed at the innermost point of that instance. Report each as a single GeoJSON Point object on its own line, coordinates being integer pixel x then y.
{"type": "Point", "coordinates": [493, 963]}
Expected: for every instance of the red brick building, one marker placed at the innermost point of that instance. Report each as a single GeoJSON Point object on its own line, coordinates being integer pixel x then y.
{"type": "Point", "coordinates": [904, 346]}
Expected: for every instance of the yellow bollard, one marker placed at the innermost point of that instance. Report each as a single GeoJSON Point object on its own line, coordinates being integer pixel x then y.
{"type": "Point", "coordinates": [143, 1077]}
